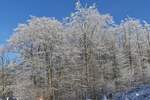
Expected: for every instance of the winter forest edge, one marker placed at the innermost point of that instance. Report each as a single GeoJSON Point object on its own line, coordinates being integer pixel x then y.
{"type": "Point", "coordinates": [85, 55]}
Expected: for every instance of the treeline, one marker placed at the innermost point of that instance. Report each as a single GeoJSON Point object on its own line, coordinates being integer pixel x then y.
{"type": "Point", "coordinates": [84, 56]}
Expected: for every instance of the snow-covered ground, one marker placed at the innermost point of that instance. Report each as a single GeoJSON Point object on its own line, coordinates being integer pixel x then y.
{"type": "Point", "coordinates": [137, 93]}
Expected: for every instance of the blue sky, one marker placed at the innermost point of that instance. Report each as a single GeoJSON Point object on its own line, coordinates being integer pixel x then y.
{"type": "Point", "coordinates": [13, 12]}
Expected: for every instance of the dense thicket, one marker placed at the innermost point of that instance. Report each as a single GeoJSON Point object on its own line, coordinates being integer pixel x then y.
{"type": "Point", "coordinates": [84, 56]}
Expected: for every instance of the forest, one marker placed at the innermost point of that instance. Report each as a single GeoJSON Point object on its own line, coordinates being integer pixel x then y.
{"type": "Point", "coordinates": [82, 57]}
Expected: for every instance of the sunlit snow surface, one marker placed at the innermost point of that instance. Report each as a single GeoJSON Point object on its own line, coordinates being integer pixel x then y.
{"type": "Point", "coordinates": [138, 93]}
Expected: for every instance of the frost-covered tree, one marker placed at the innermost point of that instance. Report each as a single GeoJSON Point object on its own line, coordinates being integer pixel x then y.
{"type": "Point", "coordinates": [88, 33]}
{"type": "Point", "coordinates": [6, 77]}
{"type": "Point", "coordinates": [39, 44]}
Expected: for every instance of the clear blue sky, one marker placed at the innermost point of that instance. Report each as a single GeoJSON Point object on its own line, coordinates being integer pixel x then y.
{"type": "Point", "coordinates": [13, 12]}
